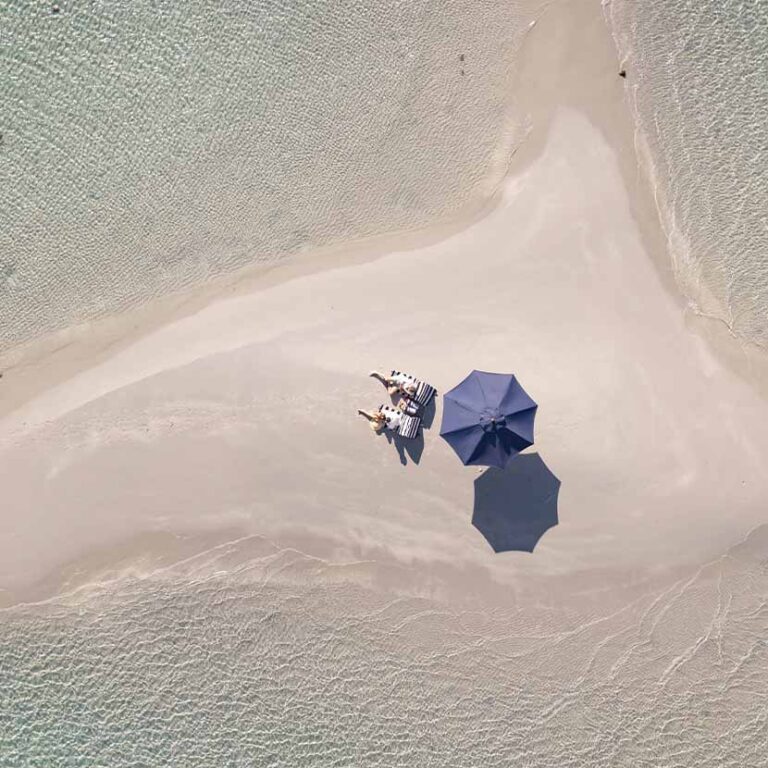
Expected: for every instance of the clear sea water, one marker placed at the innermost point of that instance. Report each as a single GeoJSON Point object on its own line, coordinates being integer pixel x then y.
{"type": "Point", "coordinates": [151, 145]}
{"type": "Point", "coordinates": [698, 73]}
{"type": "Point", "coordinates": [282, 663]}
{"type": "Point", "coordinates": [148, 146]}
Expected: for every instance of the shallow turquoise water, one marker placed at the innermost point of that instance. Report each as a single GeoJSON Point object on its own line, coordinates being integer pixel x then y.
{"type": "Point", "coordinates": [241, 669]}
{"type": "Point", "coordinates": [698, 73]}
{"type": "Point", "coordinates": [151, 145]}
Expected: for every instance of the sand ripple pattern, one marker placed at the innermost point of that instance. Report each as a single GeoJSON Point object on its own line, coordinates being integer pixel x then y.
{"type": "Point", "coordinates": [698, 72]}
{"type": "Point", "coordinates": [280, 665]}
{"type": "Point", "coordinates": [150, 146]}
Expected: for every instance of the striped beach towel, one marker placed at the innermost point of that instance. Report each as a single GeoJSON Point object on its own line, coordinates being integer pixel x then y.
{"type": "Point", "coordinates": [420, 399]}
{"type": "Point", "coordinates": [424, 393]}
{"type": "Point", "coordinates": [409, 426]}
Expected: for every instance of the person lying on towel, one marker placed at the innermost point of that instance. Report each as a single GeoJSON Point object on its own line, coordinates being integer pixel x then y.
{"type": "Point", "coordinates": [386, 417]}
{"type": "Point", "coordinates": [397, 382]}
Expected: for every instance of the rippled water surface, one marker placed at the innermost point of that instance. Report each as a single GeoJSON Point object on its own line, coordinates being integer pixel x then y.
{"type": "Point", "coordinates": [257, 667]}
{"type": "Point", "coordinates": [150, 145]}
{"type": "Point", "coordinates": [698, 71]}
{"type": "Point", "coordinates": [153, 144]}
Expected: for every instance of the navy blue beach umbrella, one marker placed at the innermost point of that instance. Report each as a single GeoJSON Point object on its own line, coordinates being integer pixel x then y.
{"type": "Point", "coordinates": [488, 419]}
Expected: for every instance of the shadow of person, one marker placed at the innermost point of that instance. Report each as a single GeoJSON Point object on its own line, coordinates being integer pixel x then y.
{"type": "Point", "coordinates": [407, 448]}
{"type": "Point", "coordinates": [428, 414]}
{"type": "Point", "coordinates": [516, 506]}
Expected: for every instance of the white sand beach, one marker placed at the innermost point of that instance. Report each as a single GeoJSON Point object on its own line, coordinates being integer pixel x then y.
{"type": "Point", "coordinates": [239, 420]}
{"type": "Point", "coordinates": [208, 558]}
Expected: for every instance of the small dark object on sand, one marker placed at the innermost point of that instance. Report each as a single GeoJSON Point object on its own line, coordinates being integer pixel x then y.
{"type": "Point", "coordinates": [55, 8]}
{"type": "Point", "coordinates": [461, 57]}
{"type": "Point", "coordinates": [622, 73]}
{"type": "Point", "coordinates": [462, 71]}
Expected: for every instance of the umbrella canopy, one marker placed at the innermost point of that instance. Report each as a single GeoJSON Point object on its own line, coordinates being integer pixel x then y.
{"type": "Point", "coordinates": [488, 418]}
{"type": "Point", "coordinates": [516, 506]}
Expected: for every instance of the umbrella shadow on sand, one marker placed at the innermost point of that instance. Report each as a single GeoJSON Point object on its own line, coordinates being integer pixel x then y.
{"type": "Point", "coordinates": [516, 506]}
{"type": "Point", "coordinates": [413, 448]}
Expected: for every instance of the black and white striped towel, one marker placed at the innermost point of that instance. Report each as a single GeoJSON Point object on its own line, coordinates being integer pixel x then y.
{"type": "Point", "coordinates": [420, 399]}
{"type": "Point", "coordinates": [409, 427]}
{"type": "Point", "coordinates": [424, 393]}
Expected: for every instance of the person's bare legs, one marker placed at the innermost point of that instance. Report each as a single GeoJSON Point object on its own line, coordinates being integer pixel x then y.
{"type": "Point", "coordinates": [381, 377]}
{"type": "Point", "coordinates": [392, 388]}
{"type": "Point", "coordinates": [375, 419]}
